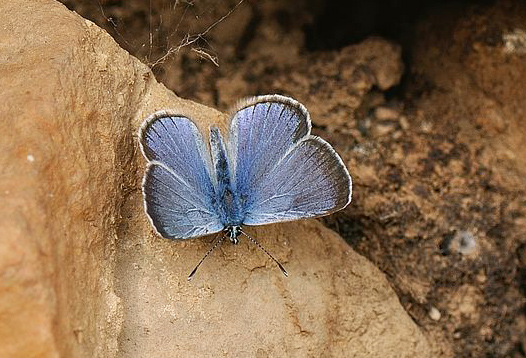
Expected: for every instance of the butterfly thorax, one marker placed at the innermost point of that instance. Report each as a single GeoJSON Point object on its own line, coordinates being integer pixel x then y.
{"type": "Point", "coordinates": [230, 210]}
{"type": "Point", "coordinates": [233, 233]}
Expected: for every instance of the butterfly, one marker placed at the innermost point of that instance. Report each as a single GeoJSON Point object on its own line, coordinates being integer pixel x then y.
{"type": "Point", "coordinates": [266, 169]}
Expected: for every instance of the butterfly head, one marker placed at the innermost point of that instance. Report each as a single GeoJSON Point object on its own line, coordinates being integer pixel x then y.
{"type": "Point", "coordinates": [233, 232]}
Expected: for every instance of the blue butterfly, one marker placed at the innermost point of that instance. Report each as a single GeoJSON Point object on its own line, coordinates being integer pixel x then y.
{"type": "Point", "coordinates": [269, 169]}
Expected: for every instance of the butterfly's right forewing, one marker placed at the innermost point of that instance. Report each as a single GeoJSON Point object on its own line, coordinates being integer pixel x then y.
{"type": "Point", "coordinates": [261, 133]}
{"type": "Point", "coordinates": [282, 173]}
{"type": "Point", "coordinates": [178, 191]}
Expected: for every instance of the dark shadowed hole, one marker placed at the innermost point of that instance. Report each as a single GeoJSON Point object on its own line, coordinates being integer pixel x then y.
{"type": "Point", "coordinates": [340, 23]}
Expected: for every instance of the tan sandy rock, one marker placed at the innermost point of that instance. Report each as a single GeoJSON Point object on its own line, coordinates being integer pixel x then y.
{"type": "Point", "coordinates": [81, 273]}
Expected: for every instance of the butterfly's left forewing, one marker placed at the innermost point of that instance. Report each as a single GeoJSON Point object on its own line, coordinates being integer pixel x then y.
{"type": "Point", "coordinates": [178, 190]}
{"type": "Point", "coordinates": [282, 173]}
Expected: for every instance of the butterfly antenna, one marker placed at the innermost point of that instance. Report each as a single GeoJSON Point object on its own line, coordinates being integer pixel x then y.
{"type": "Point", "coordinates": [204, 257]}
{"type": "Point", "coordinates": [268, 253]}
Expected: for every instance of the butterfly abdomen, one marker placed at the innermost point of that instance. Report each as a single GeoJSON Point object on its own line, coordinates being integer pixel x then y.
{"type": "Point", "coordinates": [228, 203]}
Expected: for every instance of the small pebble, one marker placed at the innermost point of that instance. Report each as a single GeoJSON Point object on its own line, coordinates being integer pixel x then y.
{"type": "Point", "coordinates": [434, 314]}
{"type": "Point", "coordinates": [464, 242]}
{"type": "Point", "coordinates": [386, 113]}
{"type": "Point", "coordinates": [486, 331]}
{"type": "Point", "coordinates": [481, 277]}
{"type": "Point", "coordinates": [404, 123]}
{"type": "Point", "coordinates": [382, 129]}
{"type": "Point", "coordinates": [426, 127]}
{"type": "Point", "coordinates": [30, 158]}
{"type": "Point", "coordinates": [515, 41]}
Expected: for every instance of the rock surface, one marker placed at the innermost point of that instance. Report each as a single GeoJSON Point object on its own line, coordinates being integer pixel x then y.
{"type": "Point", "coordinates": [81, 272]}
{"type": "Point", "coordinates": [437, 160]}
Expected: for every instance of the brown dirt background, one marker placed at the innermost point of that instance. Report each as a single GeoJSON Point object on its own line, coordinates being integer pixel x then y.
{"type": "Point", "coordinates": [438, 160]}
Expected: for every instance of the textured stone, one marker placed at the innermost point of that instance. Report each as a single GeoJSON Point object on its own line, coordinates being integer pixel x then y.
{"type": "Point", "coordinates": [81, 272]}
